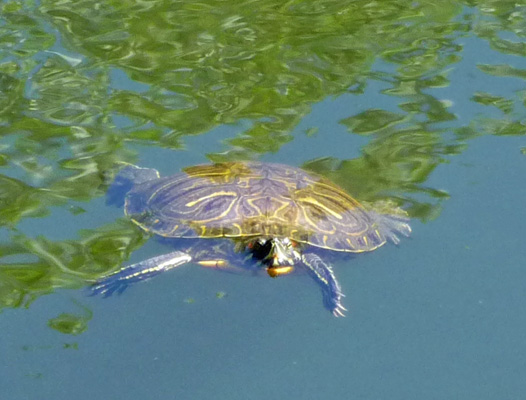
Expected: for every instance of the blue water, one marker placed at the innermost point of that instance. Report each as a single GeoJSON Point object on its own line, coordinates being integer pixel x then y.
{"type": "Point", "coordinates": [438, 317]}
{"type": "Point", "coordinates": [441, 316]}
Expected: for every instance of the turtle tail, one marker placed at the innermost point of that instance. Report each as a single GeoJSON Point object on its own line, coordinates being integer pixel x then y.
{"type": "Point", "coordinates": [125, 180]}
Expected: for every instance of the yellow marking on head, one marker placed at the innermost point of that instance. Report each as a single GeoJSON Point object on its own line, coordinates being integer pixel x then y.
{"type": "Point", "coordinates": [278, 271]}
{"type": "Point", "coordinates": [213, 263]}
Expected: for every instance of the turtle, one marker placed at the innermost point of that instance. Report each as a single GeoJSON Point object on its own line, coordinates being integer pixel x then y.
{"type": "Point", "coordinates": [249, 216]}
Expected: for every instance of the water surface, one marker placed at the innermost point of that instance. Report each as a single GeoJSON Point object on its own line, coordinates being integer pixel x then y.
{"type": "Point", "coordinates": [419, 103]}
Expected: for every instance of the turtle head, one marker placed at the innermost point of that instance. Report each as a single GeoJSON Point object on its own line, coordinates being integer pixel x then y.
{"type": "Point", "coordinates": [277, 254]}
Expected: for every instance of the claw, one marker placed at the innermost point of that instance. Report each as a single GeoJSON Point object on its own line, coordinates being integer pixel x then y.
{"type": "Point", "coordinates": [338, 313]}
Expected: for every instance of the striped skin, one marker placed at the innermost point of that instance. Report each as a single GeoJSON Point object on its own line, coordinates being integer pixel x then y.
{"type": "Point", "coordinates": [253, 199]}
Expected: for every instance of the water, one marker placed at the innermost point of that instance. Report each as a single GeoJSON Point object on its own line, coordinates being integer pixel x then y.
{"type": "Point", "coordinates": [416, 103]}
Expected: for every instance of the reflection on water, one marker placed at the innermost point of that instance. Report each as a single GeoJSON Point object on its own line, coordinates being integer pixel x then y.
{"type": "Point", "coordinates": [204, 65]}
{"type": "Point", "coordinates": [67, 119]}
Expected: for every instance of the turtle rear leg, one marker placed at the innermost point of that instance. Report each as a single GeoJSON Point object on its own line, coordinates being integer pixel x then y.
{"type": "Point", "coordinates": [124, 181]}
{"type": "Point", "coordinates": [119, 281]}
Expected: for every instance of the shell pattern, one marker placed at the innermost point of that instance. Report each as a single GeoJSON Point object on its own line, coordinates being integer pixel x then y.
{"type": "Point", "coordinates": [238, 200]}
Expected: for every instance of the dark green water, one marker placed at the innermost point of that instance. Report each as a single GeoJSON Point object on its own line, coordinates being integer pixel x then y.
{"type": "Point", "coordinates": [421, 103]}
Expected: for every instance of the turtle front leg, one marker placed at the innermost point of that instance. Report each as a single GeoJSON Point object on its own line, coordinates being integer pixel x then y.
{"type": "Point", "coordinates": [119, 280]}
{"type": "Point", "coordinates": [323, 275]}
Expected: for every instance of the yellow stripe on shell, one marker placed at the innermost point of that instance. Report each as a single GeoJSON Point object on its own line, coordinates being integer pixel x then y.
{"type": "Point", "coordinates": [210, 196]}
{"type": "Point", "coordinates": [322, 206]}
{"type": "Point", "coordinates": [220, 216]}
{"type": "Point", "coordinates": [239, 231]}
{"type": "Point", "coordinates": [275, 213]}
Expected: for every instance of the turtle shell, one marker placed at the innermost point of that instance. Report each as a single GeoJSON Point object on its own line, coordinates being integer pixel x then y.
{"type": "Point", "coordinates": [242, 200]}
